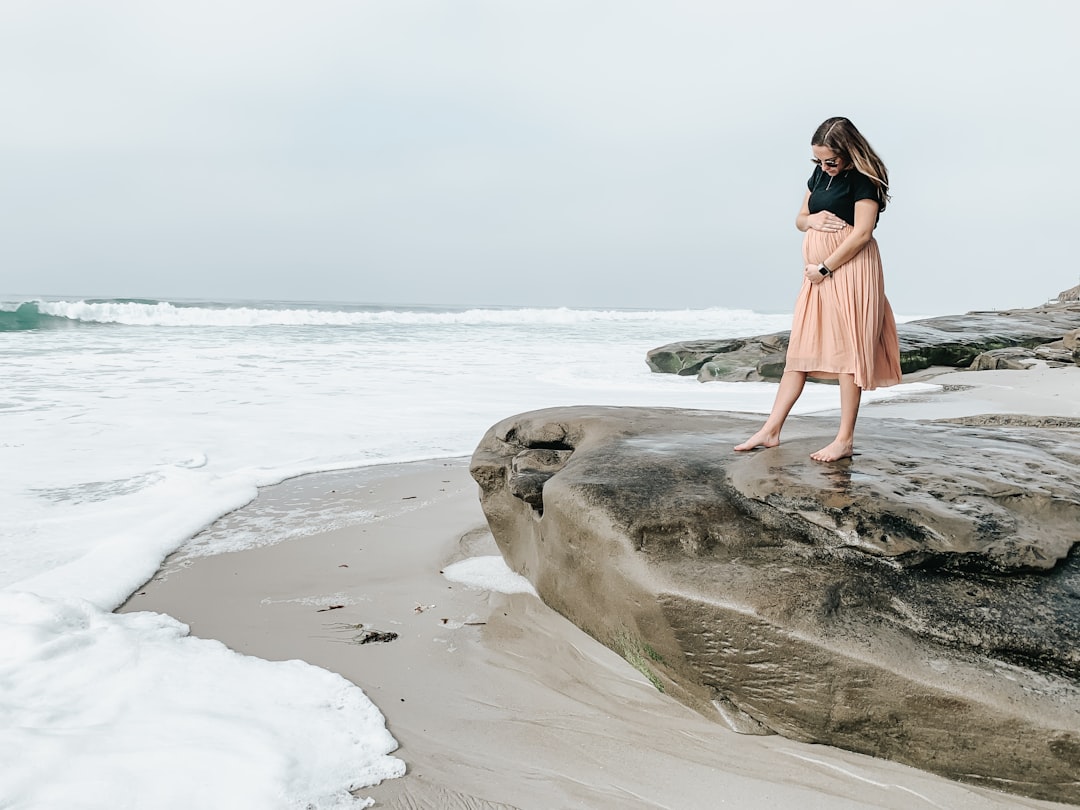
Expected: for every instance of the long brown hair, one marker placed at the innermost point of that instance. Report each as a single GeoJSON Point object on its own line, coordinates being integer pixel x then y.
{"type": "Point", "coordinates": [840, 135]}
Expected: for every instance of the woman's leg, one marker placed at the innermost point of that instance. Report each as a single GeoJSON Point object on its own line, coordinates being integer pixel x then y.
{"type": "Point", "coordinates": [791, 386]}
{"type": "Point", "coordinates": [844, 443]}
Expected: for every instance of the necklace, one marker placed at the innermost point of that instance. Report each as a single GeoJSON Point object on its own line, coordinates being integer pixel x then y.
{"type": "Point", "coordinates": [829, 184]}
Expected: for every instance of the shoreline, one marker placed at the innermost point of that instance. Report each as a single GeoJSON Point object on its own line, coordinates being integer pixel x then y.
{"type": "Point", "coordinates": [495, 700]}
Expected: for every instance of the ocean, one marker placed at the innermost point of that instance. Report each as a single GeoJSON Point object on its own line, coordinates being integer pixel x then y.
{"type": "Point", "coordinates": [127, 426]}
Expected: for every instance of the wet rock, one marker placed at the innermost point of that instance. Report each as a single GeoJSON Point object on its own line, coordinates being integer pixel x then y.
{"type": "Point", "coordinates": [954, 340]}
{"type": "Point", "coordinates": [731, 359]}
{"type": "Point", "coordinates": [1014, 420]}
{"type": "Point", "coordinates": [1012, 358]}
{"type": "Point", "coordinates": [920, 602]}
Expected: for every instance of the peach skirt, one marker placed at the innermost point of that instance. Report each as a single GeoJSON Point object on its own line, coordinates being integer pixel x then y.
{"type": "Point", "coordinates": [844, 325]}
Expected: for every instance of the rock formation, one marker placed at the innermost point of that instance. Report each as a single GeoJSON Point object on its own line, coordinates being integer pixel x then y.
{"type": "Point", "coordinates": [1071, 342]}
{"type": "Point", "coordinates": [954, 340]}
{"type": "Point", "coordinates": [920, 602]}
{"type": "Point", "coordinates": [1053, 354]}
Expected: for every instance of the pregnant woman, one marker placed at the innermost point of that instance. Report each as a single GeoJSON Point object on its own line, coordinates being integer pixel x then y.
{"type": "Point", "coordinates": [843, 327]}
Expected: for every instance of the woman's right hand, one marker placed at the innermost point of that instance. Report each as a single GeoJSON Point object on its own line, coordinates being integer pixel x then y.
{"type": "Point", "coordinates": [824, 221]}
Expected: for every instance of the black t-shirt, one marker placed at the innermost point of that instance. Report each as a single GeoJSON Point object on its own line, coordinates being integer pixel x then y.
{"type": "Point", "coordinates": [839, 194]}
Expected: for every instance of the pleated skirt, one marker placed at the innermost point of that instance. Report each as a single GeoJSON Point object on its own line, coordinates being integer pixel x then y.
{"type": "Point", "coordinates": [845, 325]}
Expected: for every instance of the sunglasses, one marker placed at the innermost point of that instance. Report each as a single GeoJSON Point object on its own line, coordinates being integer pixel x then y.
{"type": "Point", "coordinates": [831, 163]}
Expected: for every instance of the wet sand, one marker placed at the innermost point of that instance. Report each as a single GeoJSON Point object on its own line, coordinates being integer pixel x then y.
{"type": "Point", "coordinates": [497, 701]}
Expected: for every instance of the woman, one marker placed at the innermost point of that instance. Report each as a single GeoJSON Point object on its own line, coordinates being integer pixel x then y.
{"type": "Point", "coordinates": [843, 327]}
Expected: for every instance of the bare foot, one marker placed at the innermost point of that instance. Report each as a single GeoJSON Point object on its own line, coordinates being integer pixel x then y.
{"type": "Point", "coordinates": [834, 452]}
{"type": "Point", "coordinates": [763, 438]}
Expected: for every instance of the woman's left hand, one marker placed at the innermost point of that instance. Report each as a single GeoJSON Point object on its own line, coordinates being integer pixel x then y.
{"type": "Point", "coordinates": [813, 274]}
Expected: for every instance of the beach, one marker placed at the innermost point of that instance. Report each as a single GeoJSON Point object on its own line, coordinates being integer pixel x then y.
{"type": "Point", "coordinates": [494, 700]}
{"type": "Point", "coordinates": [277, 276]}
{"type": "Point", "coordinates": [132, 425]}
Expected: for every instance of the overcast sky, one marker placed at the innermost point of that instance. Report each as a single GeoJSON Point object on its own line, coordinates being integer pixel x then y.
{"type": "Point", "coordinates": [555, 152]}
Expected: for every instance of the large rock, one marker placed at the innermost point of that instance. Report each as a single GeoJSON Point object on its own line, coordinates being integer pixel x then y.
{"type": "Point", "coordinates": [954, 340]}
{"type": "Point", "coordinates": [919, 602]}
{"type": "Point", "coordinates": [730, 359]}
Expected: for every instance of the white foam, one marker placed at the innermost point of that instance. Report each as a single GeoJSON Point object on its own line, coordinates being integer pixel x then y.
{"type": "Point", "coordinates": [168, 314]}
{"type": "Point", "coordinates": [488, 573]}
{"type": "Point", "coordinates": [101, 710]}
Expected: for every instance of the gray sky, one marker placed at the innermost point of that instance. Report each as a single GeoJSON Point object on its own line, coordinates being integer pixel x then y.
{"type": "Point", "coordinates": [555, 152]}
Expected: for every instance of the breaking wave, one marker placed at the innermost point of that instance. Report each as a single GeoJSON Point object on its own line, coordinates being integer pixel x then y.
{"type": "Point", "coordinates": [41, 314]}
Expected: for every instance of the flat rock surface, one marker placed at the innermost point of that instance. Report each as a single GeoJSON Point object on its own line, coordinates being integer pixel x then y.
{"type": "Point", "coordinates": [920, 602]}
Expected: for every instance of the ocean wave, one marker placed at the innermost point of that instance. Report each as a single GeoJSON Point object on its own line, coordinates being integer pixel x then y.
{"type": "Point", "coordinates": [40, 314]}
{"type": "Point", "coordinates": [26, 316]}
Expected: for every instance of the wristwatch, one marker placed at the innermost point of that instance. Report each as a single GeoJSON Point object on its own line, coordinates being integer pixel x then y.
{"type": "Point", "coordinates": [825, 271]}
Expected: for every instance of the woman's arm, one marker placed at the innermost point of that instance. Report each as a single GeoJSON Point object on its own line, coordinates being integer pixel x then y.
{"type": "Point", "coordinates": [821, 221]}
{"type": "Point", "coordinates": [866, 212]}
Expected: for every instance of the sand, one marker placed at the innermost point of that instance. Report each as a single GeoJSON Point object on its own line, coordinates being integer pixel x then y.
{"type": "Point", "coordinates": [497, 701]}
